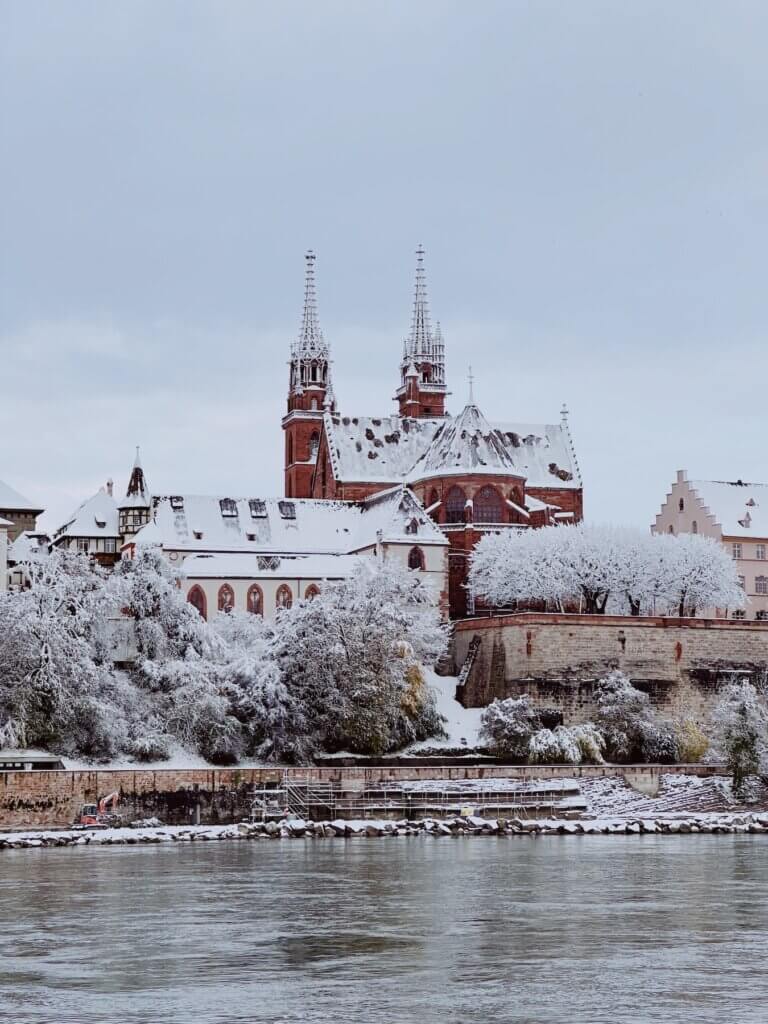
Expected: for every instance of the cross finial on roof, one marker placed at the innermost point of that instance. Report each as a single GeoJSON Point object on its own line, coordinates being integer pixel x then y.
{"type": "Point", "coordinates": [564, 412]}
{"type": "Point", "coordinates": [471, 380]}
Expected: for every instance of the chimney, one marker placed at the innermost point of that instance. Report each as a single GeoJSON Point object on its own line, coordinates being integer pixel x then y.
{"type": "Point", "coordinates": [110, 486]}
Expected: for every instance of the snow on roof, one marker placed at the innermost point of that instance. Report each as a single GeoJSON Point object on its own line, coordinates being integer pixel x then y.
{"type": "Point", "coordinates": [28, 545]}
{"type": "Point", "coordinates": [253, 566]}
{"type": "Point", "coordinates": [380, 448]}
{"type": "Point", "coordinates": [283, 526]}
{"type": "Point", "coordinates": [392, 449]}
{"type": "Point", "coordinates": [96, 517]}
{"type": "Point", "coordinates": [740, 508]}
{"type": "Point", "coordinates": [12, 500]}
{"type": "Point", "coordinates": [5, 522]}
{"type": "Point", "coordinates": [466, 444]}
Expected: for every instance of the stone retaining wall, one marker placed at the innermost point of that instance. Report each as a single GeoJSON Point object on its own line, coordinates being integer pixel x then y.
{"type": "Point", "coordinates": [556, 659]}
{"type": "Point", "coordinates": [222, 796]}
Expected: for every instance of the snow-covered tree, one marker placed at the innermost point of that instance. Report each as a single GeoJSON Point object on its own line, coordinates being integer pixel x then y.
{"type": "Point", "coordinates": [631, 729]}
{"type": "Point", "coordinates": [351, 660]}
{"type": "Point", "coordinates": [741, 728]}
{"type": "Point", "coordinates": [508, 726]}
{"type": "Point", "coordinates": [599, 568]}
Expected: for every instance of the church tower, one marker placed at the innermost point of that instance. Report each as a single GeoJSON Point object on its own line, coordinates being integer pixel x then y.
{"type": "Point", "coordinates": [309, 393]}
{"type": "Point", "coordinates": [422, 390]}
{"type": "Point", "coordinates": [135, 509]}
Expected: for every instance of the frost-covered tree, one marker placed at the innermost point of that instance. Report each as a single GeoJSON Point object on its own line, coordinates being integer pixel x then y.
{"type": "Point", "coordinates": [741, 727]}
{"type": "Point", "coordinates": [508, 725]}
{"type": "Point", "coordinates": [599, 568]}
{"type": "Point", "coordinates": [351, 660]}
{"type": "Point", "coordinates": [631, 729]}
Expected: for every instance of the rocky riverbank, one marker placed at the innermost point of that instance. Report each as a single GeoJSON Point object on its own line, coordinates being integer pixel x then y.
{"type": "Point", "coordinates": [293, 829]}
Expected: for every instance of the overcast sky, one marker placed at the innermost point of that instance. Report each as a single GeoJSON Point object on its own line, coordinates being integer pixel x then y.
{"type": "Point", "coordinates": [589, 179]}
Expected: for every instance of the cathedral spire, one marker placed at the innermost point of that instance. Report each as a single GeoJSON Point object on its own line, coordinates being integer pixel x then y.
{"type": "Point", "coordinates": [310, 354]}
{"type": "Point", "coordinates": [424, 351]}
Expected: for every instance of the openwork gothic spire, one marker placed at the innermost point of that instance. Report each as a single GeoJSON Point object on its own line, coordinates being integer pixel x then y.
{"type": "Point", "coordinates": [423, 345]}
{"type": "Point", "coordinates": [310, 355]}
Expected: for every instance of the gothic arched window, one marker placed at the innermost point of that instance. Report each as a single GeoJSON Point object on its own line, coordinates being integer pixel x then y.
{"type": "Point", "coordinates": [290, 449]}
{"type": "Point", "coordinates": [681, 505]}
{"type": "Point", "coordinates": [313, 405]}
{"type": "Point", "coordinates": [312, 591]}
{"type": "Point", "coordinates": [416, 559]}
{"type": "Point", "coordinates": [694, 527]}
{"type": "Point", "coordinates": [455, 501]}
{"type": "Point", "coordinates": [226, 598]}
{"type": "Point", "coordinates": [314, 444]}
{"type": "Point", "coordinates": [196, 598]}
{"type": "Point", "coordinates": [255, 600]}
{"type": "Point", "coordinates": [488, 507]}
{"type": "Point", "coordinates": [284, 596]}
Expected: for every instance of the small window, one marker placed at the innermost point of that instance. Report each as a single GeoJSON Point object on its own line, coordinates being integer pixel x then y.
{"type": "Point", "coordinates": [287, 509]}
{"type": "Point", "coordinates": [681, 505]}
{"type": "Point", "coordinates": [736, 550]}
{"type": "Point", "coordinates": [412, 527]}
{"type": "Point", "coordinates": [268, 563]}
{"type": "Point", "coordinates": [83, 544]}
{"type": "Point", "coordinates": [313, 405]}
{"type": "Point", "coordinates": [762, 615]}
{"type": "Point", "coordinates": [226, 598]}
{"type": "Point", "coordinates": [761, 584]}
{"type": "Point", "coordinates": [760, 552]}
{"type": "Point", "coordinates": [258, 508]}
{"type": "Point", "coordinates": [314, 444]}
{"type": "Point", "coordinates": [742, 582]}
{"type": "Point", "coordinates": [110, 545]}
{"type": "Point", "coordinates": [228, 508]}
{"type": "Point", "coordinates": [738, 614]}
{"type": "Point", "coordinates": [311, 592]}
{"type": "Point", "coordinates": [284, 596]}
{"type": "Point", "coordinates": [177, 503]}
{"type": "Point", "coordinates": [694, 527]}
{"type": "Point", "coordinates": [101, 523]}
{"type": "Point", "coordinates": [251, 536]}
{"type": "Point", "coordinates": [416, 559]}
{"type": "Point", "coordinates": [255, 600]}
{"type": "Point", "coordinates": [671, 530]}
{"type": "Point", "coordinates": [197, 534]}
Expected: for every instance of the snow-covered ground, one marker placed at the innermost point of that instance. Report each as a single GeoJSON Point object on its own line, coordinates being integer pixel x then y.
{"type": "Point", "coordinates": [462, 724]}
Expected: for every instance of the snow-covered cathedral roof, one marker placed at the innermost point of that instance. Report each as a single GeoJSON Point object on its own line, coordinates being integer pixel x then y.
{"type": "Point", "coordinates": [391, 449]}
{"type": "Point", "coordinates": [286, 526]}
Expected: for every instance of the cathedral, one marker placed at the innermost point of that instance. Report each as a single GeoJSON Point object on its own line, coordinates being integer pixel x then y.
{"type": "Point", "coordinates": [469, 474]}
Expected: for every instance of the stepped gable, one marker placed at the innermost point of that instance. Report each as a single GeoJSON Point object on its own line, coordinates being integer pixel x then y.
{"type": "Point", "coordinates": [466, 444]}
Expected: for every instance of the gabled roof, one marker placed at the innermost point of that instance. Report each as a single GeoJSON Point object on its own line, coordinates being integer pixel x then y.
{"type": "Point", "coordinates": [741, 509]}
{"type": "Point", "coordinates": [12, 501]}
{"type": "Point", "coordinates": [28, 545]}
{"type": "Point", "coordinates": [387, 449]}
{"type": "Point", "coordinates": [96, 517]}
{"type": "Point", "coordinates": [283, 526]}
{"type": "Point", "coordinates": [466, 444]}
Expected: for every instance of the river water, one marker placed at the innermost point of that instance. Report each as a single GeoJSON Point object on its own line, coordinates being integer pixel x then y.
{"type": "Point", "coordinates": [594, 929]}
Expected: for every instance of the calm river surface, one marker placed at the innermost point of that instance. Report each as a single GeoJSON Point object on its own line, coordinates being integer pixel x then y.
{"type": "Point", "coordinates": [385, 931]}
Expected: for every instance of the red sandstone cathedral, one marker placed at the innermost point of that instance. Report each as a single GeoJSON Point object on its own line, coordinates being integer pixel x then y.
{"type": "Point", "coordinates": [470, 475]}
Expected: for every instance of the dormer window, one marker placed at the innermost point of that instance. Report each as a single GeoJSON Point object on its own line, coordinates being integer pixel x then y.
{"type": "Point", "coordinates": [258, 508]}
{"type": "Point", "coordinates": [177, 503]}
{"type": "Point", "coordinates": [197, 534]}
{"type": "Point", "coordinates": [412, 527]}
{"type": "Point", "coordinates": [228, 508]}
{"type": "Point", "coordinates": [101, 523]}
{"type": "Point", "coordinates": [287, 509]}
{"type": "Point", "coordinates": [251, 536]}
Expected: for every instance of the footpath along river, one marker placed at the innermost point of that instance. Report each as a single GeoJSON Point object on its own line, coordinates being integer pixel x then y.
{"type": "Point", "coordinates": [581, 930]}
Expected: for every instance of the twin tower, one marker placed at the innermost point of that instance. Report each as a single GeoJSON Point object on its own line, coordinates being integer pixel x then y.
{"type": "Point", "coordinates": [421, 392]}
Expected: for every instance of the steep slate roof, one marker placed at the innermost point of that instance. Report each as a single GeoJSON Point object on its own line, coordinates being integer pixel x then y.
{"type": "Point", "coordinates": [741, 509]}
{"type": "Point", "coordinates": [96, 517]}
{"type": "Point", "coordinates": [389, 449]}
{"type": "Point", "coordinates": [12, 501]}
{"type": "Point", "coordinates": [465, 444]}
{"type": "Point", "coordinates": [284, 526]}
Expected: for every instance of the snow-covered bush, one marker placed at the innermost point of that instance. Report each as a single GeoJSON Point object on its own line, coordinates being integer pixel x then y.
{"type": "Point", "coordinates": [741, 728]}
{"type": "Point", "coordinates": [599, 568]}
{"type": "Point", "coordinates": [626, 720]}
{"type": "Point", "coordinates": [508, 726]}
{"type": "Point", "coordinates": [350, 660]}
{"type": "Point", "coordinates": [553, 746]}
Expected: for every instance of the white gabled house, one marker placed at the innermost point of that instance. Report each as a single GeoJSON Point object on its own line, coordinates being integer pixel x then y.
{"type": "Point", "coordinates": [735, 514]}
{"type": "Point", "coordinates": [260, 554]}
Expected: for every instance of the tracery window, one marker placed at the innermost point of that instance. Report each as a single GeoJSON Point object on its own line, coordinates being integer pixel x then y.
{"type": "Point", "coordinates": [284, 596]}
{"type": "Point", "coordinates": [226, 600]}
{"type": "Point", "coordinates": [311, 592]}
{"type": "Point", "coordinates": [488, 507]}
{"type": "Point", "coordinates": [455, 501]}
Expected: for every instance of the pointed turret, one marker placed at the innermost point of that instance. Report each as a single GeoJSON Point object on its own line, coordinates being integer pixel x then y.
{"type": "Point", "coordinates": [135, 508]}
{"type": "Point", "coordinates": [309, 393]}
{"type": "Point", "coordinates": [424, 351]}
